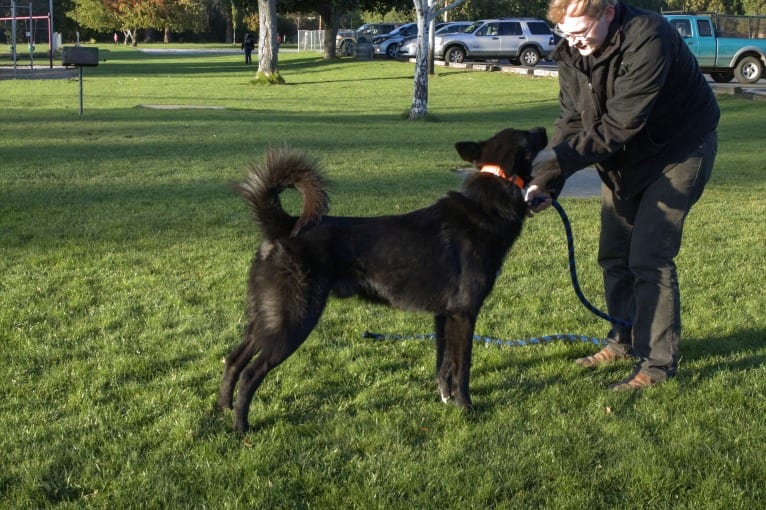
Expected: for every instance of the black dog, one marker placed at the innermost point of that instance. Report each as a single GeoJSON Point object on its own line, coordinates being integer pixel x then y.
{"type": "Point", "coordinates": [442, 259]}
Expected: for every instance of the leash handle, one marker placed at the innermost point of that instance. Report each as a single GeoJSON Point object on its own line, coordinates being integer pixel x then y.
{"type": "Point", "coordinates": [573, 269]}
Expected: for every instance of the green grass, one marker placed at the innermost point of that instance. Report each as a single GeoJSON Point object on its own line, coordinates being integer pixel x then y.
{"type": "Point", "coordinates": [123, 258]}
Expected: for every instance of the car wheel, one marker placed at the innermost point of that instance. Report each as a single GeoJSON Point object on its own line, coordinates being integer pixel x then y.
{"type": "Point", "coordinates": [722, 77]}
{"type": "Point", "coordinates": [748, 70]}
{"type": "Point", "coordinates": [392, 50]}
{"type": "Point", "coordinates": [529, 57]}
{"type": "Point", "coordinates": [454, 55]}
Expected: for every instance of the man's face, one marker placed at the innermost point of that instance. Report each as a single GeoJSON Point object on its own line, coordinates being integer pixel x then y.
{"type": "Point", "coordinates": [585, 33]}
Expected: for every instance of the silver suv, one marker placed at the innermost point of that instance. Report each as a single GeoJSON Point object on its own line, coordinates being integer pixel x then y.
{"type": "Point", "coordinates": [346, 40]}
{"type": "Point", "coordinates": [520, 40]}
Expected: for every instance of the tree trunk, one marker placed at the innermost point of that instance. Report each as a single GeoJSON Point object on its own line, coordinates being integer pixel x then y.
{"type": "Point", "coordinates": [130, 35]}
{"type": "Point", "coordinates": [426, 13]}
{"type": "Point", "coordinates": [419, 106]}
{"type": "Point", "coordinates": [268, 61]}
{"type": "Point", "coordinates": [329, 42]}
{"type": "Point", "coordinates": [431, 41]}
{"type": "Point", "coordinates": [229, 13]}
{"type": "Point", "coordinates": [329, 17]}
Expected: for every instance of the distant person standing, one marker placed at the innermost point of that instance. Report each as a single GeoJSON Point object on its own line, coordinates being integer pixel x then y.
{"type": "Point", "coordinates": [248, 44]}
{"type": "Point", "coordinates": [116, 38]}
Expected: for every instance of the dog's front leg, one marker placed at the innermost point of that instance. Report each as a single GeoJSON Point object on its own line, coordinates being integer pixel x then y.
{"type": "Point", "coordinates": [456, 366]}
{"type": "Point", "coordinates": [443, 369]}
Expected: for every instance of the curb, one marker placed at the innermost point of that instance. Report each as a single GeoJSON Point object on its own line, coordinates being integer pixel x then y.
{"type": "Point", "coordinates": [740, 92]}
{"type": "Point", "coordinates": [494, 67]}
{"type": "Point", "coordinates": [718, 89]}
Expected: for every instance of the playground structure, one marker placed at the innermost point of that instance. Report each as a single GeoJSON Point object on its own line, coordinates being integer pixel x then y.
{"type": "Point", "coordinates": [31, 24]}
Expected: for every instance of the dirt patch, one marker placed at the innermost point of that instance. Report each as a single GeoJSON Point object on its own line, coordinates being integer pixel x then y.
{"type": "Point", "coordinates": [180, 107]}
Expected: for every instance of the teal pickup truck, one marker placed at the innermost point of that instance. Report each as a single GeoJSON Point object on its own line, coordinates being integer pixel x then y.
{"type": "Point", "coordinates": [726, 46]}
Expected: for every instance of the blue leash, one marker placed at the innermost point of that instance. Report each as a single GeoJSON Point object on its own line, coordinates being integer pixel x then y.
{"type": "Point", "coordinates": [573, 272]}
{"type": "Point", "coordinates": [488, 341]}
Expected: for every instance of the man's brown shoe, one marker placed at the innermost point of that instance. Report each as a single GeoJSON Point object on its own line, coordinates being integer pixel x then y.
{"type": "Point", "coordinates": [605, 355]}
{"type": "Point", "coordinates": [637, 381]}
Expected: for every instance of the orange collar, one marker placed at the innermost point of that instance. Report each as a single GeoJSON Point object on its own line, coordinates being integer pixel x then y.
{"type": "Point", "coordinates": [496, 170]}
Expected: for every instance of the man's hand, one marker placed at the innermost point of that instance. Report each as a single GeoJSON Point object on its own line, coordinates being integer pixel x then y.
{"type": "Point", "coordinates": [546, 171]}
{"type": "Point", "coordinates": [537, 199]}
{"type": "Point", "coordinates": [546, 174]}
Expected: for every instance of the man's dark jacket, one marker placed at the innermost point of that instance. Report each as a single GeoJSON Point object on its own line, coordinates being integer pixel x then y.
{"type": "Point", "coordinates": [634, 110]}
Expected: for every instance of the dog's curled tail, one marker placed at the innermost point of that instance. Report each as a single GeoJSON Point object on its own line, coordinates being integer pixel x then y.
{"type": "Point", "coordinates": [282, 169]}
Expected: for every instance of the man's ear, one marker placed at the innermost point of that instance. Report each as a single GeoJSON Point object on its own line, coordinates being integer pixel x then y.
{"type": "Point", "coordinates": [469, 151]}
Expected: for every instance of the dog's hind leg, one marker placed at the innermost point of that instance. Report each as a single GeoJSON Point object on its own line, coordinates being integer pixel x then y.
{"type": "Point", "coordinates": [235, 362]}
{"type": "Point", "coordinates": [275, 346]}
{"type": "Point", "coordinates": [275, 349]}
{"type": "Point", "coordinates": [455, 369]}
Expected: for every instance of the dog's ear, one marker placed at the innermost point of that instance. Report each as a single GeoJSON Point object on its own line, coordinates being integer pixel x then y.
{"type": "Point", "coordinates": [538, 139]}
{"type": "Point", "coordinates": [469, 151]}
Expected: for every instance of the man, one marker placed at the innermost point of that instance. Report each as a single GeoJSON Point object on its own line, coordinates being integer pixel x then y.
{"type": "Point", "coordinates": [248, 44]}
{"type": "Point", "coordinates": [635, 105]}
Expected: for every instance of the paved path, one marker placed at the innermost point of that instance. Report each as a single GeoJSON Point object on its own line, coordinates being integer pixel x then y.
{"type": "Point", "coordinates": [583, 184]}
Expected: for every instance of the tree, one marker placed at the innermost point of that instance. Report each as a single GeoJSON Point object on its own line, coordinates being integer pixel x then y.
{"type": "Point", "coordinates": [481, 9]}
{"type": "Point", "coordinates": [754, 7]}
{"type": "Point", "coordinates": [330, 12]}
{"type": "Point", "coordinates": [95, 14]}
{"type": "Point", "coordinates": [131, 15]}
{"type": "Point", "coordinates": [268, 61]}
{"type": "Point", "coordinates": [333, 11]}
{"type": "Point", "coordinates": [427, 12]}
{"type": "Point", "coordinates": [179, 15]}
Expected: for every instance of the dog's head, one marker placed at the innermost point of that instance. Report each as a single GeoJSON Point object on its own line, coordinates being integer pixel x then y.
{"type": "Point", "coordinates": [510, 150]}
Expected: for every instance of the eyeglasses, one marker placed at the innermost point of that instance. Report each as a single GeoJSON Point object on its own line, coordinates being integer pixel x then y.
{"type": "Point", "coordinates": [573, 37]}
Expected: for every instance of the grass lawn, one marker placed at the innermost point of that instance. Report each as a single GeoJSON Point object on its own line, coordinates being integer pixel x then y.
{"type": "Point", "coordinates": [123, 259]}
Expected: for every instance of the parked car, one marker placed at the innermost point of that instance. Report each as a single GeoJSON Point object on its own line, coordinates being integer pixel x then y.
{"type": "Point", "coordinates": [726, 46]}
{"type": "Point", "coordinates": [409, 45]}
{"type": "Point", "coordinates": [388, 44]}
{"type": "Point", "coordinates": [520, 40]}
{"type": "Point", "coordinates": [345, 42]}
